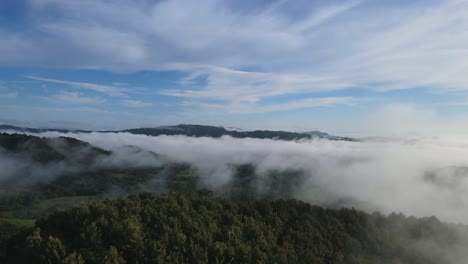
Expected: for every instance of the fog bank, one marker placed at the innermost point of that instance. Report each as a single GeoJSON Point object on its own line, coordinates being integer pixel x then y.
{"type": "Point", "coordinates": [420, 177]}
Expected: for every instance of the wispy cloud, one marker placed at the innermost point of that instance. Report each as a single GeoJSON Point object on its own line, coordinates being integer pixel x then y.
{"type": "Point", "coordinates": [75, 98]}
{"type": "Point", "coordinates": [14, 122]}
{"type": "Point", "coordinates": [457, 102]}
{"type": "Point", "coordinates": [299, 47]}
{"type": "Point", "coordinates": [81, 109]}
{"type": "Point", "coordinates": [105, 89]}
{"type": "Point", "coordinates": [324, 14]}
{"type": "Point", "coordinates": [135, 103]}
{"type": "Point", "coordinates": [8, 95]}
{"type": "Point", "coordinates": [228, 84]}
{"type": "Point", "coordinates": [249, 108]}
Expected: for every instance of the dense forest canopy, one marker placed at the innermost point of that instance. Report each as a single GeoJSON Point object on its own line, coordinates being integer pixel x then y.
{"type": "Point", "coordinates": [234, 131]}
{"type": "Point", "coordinates": [56, 208]}
{"type": "Point", "coordinates": [196, 131]}
{"type": "Point", "coordinates": [198, 228]}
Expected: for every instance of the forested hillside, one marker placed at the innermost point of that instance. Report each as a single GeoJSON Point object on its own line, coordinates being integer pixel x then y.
{"type": "Point", "coordinates": [197, 131]}
{"type": "Point", "coordinates": [44, 150]}
{"type": "Point", "coordinates": [213, 131]}
{"type": "Point", "coordinates": [198, 228]}
{"type": "Point", "coordinates": [41, 175]}
{"type": "Point", "coordinates": [53, 209]}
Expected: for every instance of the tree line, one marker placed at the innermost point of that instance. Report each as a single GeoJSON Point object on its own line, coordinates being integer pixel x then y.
{"type": "Point", "coordinates": [196, 227]}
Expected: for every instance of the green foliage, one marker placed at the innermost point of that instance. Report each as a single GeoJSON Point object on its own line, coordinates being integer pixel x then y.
{"type": "Point", "coordinates": [30, 147]}
{"type": "Point", "coordinates": [199, 131]}
{"type": "Point", "coordinates": [197, 228]}
{"type": "Point", "coordinates": [9, 228]}
{"type": "Point", "coordinates": [248, 184]}
{"type": "Point", "coordinates": [212, 131]}
{"type": "Point", "coordinates": [18, 222]}
{"type": "Point", "coordinates": [45, 150]}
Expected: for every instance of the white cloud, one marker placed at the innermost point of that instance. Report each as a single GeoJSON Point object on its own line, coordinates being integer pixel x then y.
{"type": "Point", "coordinates": [81, 109]}
{"type": "Point", "coordinates": [247, 108]}
{"type": "Point", "coordinates": [457, 102]}
{"type": "Point", "coordinates": [8, 95]}
{"type": "Point", "coordinates": [327, 47]}
{"type": "Point", "coordinates": [402, 120]}
{"type": "Point", "coordinates": [136, 103]}
{"type": "Point", "coordinates": [325, 14]}
{"type": "Point", "coordinates": [75, 98]}
{"type": "Point", "coordinates": [105, 89]}
{"type": "Point", "coordinates": [243, 86]}
{"type": "Point", "coordinates": [388, 176]}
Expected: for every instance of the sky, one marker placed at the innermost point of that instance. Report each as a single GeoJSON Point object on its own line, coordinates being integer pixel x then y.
{"type": "Point", "coordinates": [363, 67]}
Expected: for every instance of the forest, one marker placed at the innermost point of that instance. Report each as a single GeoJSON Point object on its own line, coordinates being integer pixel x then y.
{"type": "Point", "coordinates": [234, 131]}
{"type": "Point", "coordinates": [198, 131]}
{"type": "Point", "coordinates": [103, 212]}
{"type": "Point", "coordinates": [199, 228]}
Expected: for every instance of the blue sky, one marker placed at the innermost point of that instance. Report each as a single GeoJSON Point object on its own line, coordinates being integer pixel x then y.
{"type": "Point", "coordinates": [345, 67]}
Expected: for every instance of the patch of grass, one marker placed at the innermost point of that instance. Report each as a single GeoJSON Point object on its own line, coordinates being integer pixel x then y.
{"type": "Point", "coordinates": [43, 207]}
{"type": "Point", "coordinates": [18, 222]}
{"type": "Point", "coordinates": [6, 214]}
{"type": "Point", "coordinates": [63, 201]}
{"type": "Point", "coordinates": [119, 175]}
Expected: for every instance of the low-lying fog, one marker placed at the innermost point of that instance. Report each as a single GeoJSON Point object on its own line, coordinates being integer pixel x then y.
{"type": "Point", "coordinates": [420, 177]}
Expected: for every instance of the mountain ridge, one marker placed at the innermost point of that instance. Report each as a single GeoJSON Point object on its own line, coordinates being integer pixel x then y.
{"type": "Point", "coordinates": [196, 131]}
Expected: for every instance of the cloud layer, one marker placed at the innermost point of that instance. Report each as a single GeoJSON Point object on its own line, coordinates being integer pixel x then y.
{"type": "Point", "coordinates": [240, 55]}
{"type": "Point", "coordinates": [422, 177]}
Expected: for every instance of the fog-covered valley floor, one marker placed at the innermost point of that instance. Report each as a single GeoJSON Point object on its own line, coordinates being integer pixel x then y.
{"type": "Point", "coordinates": [420, 177]}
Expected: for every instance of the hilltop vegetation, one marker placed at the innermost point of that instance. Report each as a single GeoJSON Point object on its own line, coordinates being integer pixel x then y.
{"type": "Point", "coordinates": [65, 218]}
{"type": "Point", "coordinates": [198, 131]}
{"type": "Point", "coordinates": [44, 150]}
{"type": "Point", "coordinates": [198, 228]}
{"type": "Point", "coordinates": [41, 175]}
{"type": "Point", "coordinates": [67, 167]}
{"type": "Point", "coordinates": [213, 131]}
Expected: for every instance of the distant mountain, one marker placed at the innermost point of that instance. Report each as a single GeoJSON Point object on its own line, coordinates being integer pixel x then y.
{"type": "Point", "coordinates": [198, 131]}
{"type": "Point", "coordinates": [213, 131]}
{"type": "Point", "coordinates": [45, 150]}
{"type": "Point", "coordinates": [234, 129]}
{"type": "Point", "coordinates": [317, 133]}
{"type": "Point", "coordinates": [40, 130]}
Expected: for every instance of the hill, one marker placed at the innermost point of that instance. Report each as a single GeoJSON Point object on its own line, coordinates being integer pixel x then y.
{"type": "Point", "coordinates": [213, 131]}
{"type": "Point", "coordinates": [198, 228]}
{"type": "Point", "coordinates": [45, 150]}
{"type": "Point", "coordinates": [197, 131]}
{"type": "Point", "coordinates": [40, 130]}
{"type": "Point", "coordinates": [249, 222]}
